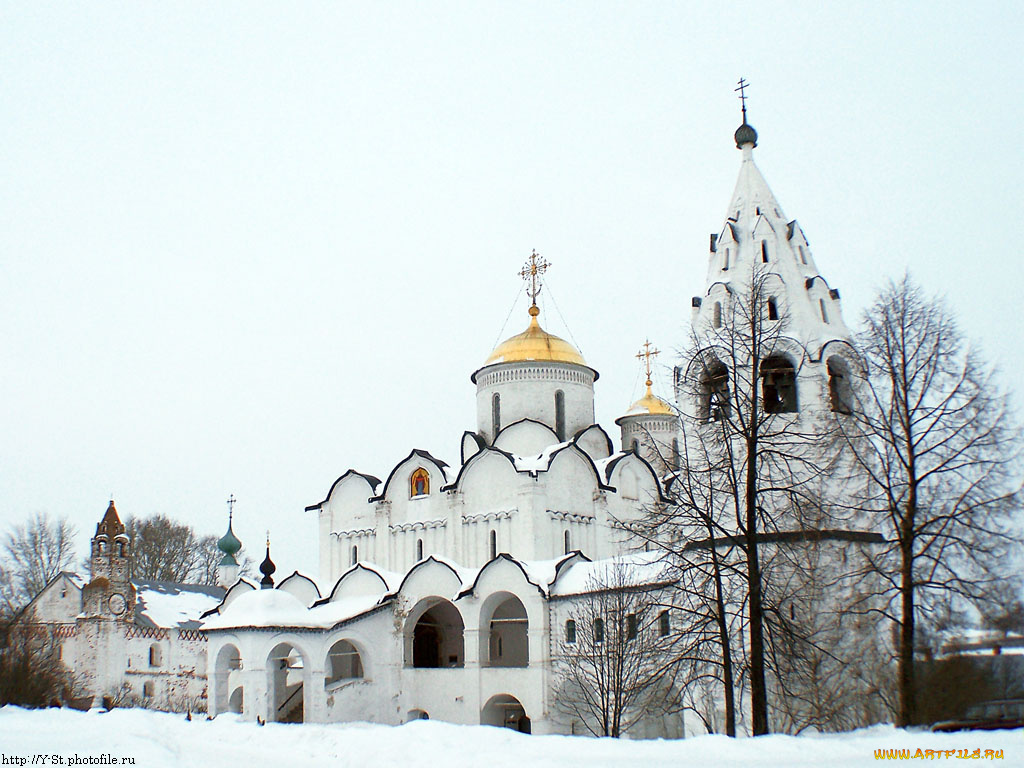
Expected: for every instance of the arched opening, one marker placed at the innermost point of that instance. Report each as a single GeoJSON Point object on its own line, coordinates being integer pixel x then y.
{"type": "Point", "coordinates": [343, 663]}
{"type": "Point", "coordinates": [416, 714]}
{"type": "Point", "coordinates": [227, 679]}
{"type": "Point", "coordinates": [778, 385]}
{"type": "Point", "coordinates": [355, 554]}
{"type": "Point", "coordinates": [495, 415]}
{"type": "Point", "coordinates": [120, 549]}
{"type": "Point", "coordinates": [507, 632]}
{"type": "Point", "coordinates": [560, 415]}
{"type": "Point", "coordinates": [717, 319]}
{"type": "Point", "coordinates": [494, 544]}
{"type": "Point", "coordinates": [237, 700]}
{"type": "Point", "coordinates": [773, 309]}
{"type": "Point", "coordinates": [570, 631]}
{"type": "Point", "coordinates": [419, 549]}
{"type": "Point", "coordinates": [764, 251]}
{"type": "Point", "coordinates": [839, 391]}
{"type": "Point", "coordinates": [434, 638]}
{"type": "Point", "coordinates": [568, 543]}
{"type": "Point", "coordinates": [505, 711]}
{"type": "Point", "coordinates": [714, 393]}
{"type": "Point", "coordinates": [286, 672]}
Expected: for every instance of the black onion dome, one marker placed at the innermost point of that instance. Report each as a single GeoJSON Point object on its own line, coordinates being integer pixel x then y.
{"type": "Point", "coordinates": [267, 568]}
{"type": "Point", "coordinates": [745, 134]}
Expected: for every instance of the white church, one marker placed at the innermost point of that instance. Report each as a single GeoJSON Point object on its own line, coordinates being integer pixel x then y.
{"type": "Point", "coordinates": [443, 590]}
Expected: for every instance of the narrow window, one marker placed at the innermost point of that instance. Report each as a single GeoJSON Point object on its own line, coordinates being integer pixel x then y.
{"type": "Point", "coordinates": [803, 256]}
{"type": "Point", "coordinates": [718, 315]}
{"type": "Point", "coordinates": [355, 555]}
{"type": "Point", "coordinates": [154, 655]}
{"type": "Point", "coordinates": [824, 313]}
{"type": "Point", "coordinates": [636, 446]}
{"type": "Point", "coordinates": [773, 310]}
{"type": "Point", "coordinates": [120, 549]}
{"type": "Point", "coordinates": [568, 548]}
{"type": "Point", "coordinates": [560, 415]}
{"type": "Point", "coordinates": [663, 624]}
{"type": "Point", "coordinates": [147, 690]}
{"type": "Point", "coordinates": [631, 626]}
{"type": "Point", "coordinates": [598, 630]}
{"type": "Point", "coordinates": [570, 631]}
{"type": "Point", "coordinates": [764, 251]}
{"type": "Point", "coordinates": [778, 385]}
{"type": "Point", "coordinates": [495, 415]}
{"type": "Point", "coordinates": [725, 260]}
{"type": "Point", "coordinates": [419, 549]}
{"type": "Point", "coordinates": [792, 612]}
{"type": "Point", "coordinates": [494, 544]}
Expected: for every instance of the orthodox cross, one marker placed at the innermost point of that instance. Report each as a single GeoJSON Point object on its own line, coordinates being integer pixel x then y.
{"type": "Point", "coordinates": [535, 266]}
{"type": "Point", "coordinates": [646, 354]}
{"type": "Point", "coordinates": [742, 83]}
{"type": "Point", "coordinates": [231, 507]}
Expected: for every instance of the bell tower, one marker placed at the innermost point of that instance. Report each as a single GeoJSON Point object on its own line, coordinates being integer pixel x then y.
{"type": "Point", "coordinates": [109, 593]}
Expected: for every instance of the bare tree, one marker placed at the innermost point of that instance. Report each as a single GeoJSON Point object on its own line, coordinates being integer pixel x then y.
{"type": "Point", "coordinates": [612, 659]}
{"type": "Point", "coordinates": [934, 433]}
{"type": "Point", "coordinates": [166, 550]}
{"type": "Point", "coordinates": [759, 464]}
{"type": "Point", "coordinates": [36, 551]}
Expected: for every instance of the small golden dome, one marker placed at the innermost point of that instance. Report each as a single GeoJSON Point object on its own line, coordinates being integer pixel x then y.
{"type": "Point", "coordinates": [650, 404]}
{"type": "Point", "coordinates": [535, 344]}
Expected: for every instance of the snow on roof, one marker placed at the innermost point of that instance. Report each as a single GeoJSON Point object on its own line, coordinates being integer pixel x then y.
{"type": "Point", "coordinates": [633, 570]}
{"type": "Point", "coordinates": [541, 461]}
{"type": "Point", "coordinates": [392, 579]}
{"type": "Point", "coordinates": [276, 608]}
{"type": "Point", "coordinates": [168, 604]}
{"type": "Point", "coordinates": [603, 464]}
{"type": "Point", "coordinates": [543, 572]}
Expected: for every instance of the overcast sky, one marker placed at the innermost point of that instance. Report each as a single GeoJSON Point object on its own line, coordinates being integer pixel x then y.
{"type": "Point", "coordinates": [247, 246]}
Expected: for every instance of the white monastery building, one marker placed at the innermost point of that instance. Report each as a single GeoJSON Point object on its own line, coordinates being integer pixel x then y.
{"type": "Point", "coordinates": [443, 590]}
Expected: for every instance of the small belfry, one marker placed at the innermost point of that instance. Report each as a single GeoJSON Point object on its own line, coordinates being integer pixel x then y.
{"type": "Point", "coordinates": [109, 593]}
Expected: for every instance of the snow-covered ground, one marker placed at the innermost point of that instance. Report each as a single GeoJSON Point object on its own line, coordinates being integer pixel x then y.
{"type": "Point", "coordinates": [160, 739]}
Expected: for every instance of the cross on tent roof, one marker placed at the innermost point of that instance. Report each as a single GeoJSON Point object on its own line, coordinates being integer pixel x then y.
{"type": "Point", "coordinates": [645, 354]}
{"type": "Point", "coordinates": [743, 95]}
{"type": "Point", "coordinates": [535, 266]}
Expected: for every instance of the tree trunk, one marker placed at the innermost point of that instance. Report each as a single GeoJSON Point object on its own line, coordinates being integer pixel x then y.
{"type": "Point", "coordinates": [906, 643]}
{"type": "Point", "coordinates": [758, 688]}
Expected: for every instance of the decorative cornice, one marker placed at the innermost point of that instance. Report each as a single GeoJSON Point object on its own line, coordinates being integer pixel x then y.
{"type": "Point", "coordinates": [486, 516]}
{"type": "Point", "coordinates": [418, 525]}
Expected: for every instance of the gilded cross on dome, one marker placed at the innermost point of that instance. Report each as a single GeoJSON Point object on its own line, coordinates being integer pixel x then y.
{"type": "Point", "coordinates": [532, 270]}
{"type": "Point", "coordinates": [646, 354]}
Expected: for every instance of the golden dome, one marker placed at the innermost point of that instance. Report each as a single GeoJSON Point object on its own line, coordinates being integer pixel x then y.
{"type": "Point", "coordinates": [535, 344]}
{"type": "Point", "coordinates": [650, 404]}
